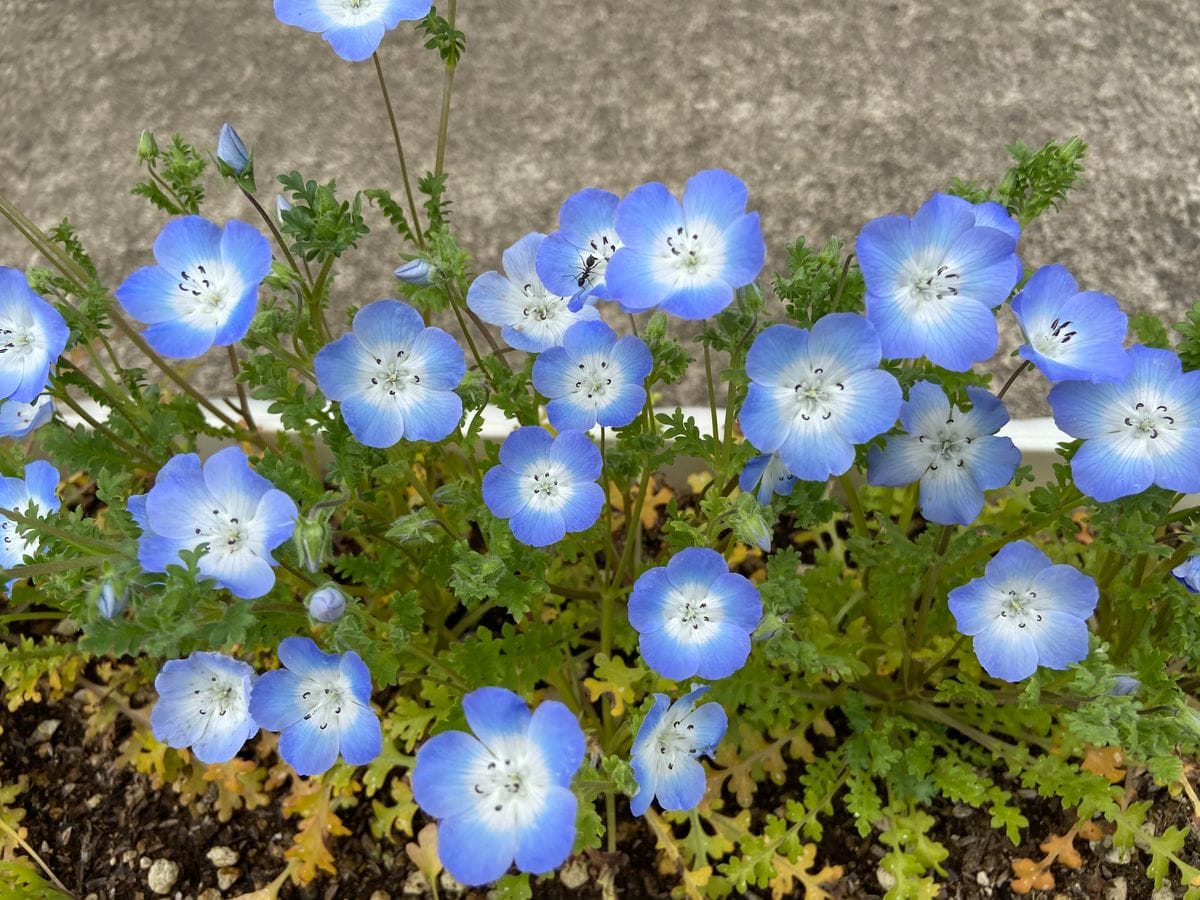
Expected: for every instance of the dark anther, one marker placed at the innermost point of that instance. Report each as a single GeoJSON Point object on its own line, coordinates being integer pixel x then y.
{"type": "Point", "coordinates": [662, 750]}
{"type": "Point", "coordinates": [216, 512]}
{"type": "Point", "coordinates": [478, 789]}
{"type": "Point", "coordinates": [839, 386]}
{"type": "Point", "coordinates": [1021, 624]}
{"type": "Point", "coordinates": [805, 417]}
{"type": "Point", "coordinates": [1039, 618]}
{"type": "Point", "coordinates": [222, 712]}
{"type": "Point", "coordinates": [818, 371]}
{"type": "Point", "coordinates": [197, 531]}
{"type": "Point", "coordinates": [670, 765]}
{"type": "Point", "coordinates": [1160, 409]}
{"type": "Point", "coordinates": [337, 710]}
{"type": "Point", "coordinates": [933, 467]}
{"type": "Point", "coordinates": [1168, 420]}
{"type": "Point", "coordinates": [491, 765]}
{"type": "Point", "coordinates": [324, 725]}
{"type": "Point", "coordinates": [1128, 421]}
{"type": "Point", "coordinates": [1139, 406]}
{"type": "Point", "coordinates": [499, 806]}
{"type": "Point", "coordinates": [961, 463]}
{"type": "Point", "coordinates": [304, 696]}
{"type": "Point", "coordinates": [828, 414]}
{"type": "Point", "coordinates": [691, 727]}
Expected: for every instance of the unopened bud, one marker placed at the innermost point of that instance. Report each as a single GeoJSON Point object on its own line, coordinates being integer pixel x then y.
{"type": "Point", "coordinates": [416, 271]}
{"type": "Point", "coordinates": [313, 539]}
{"type": "Point", "coordinates": [281, 206]}
{"type": "Point", "coordinates": [110, 604]}
{"type": "Point", "coordinates": [326, 604]}
{"type": "Point", "coordinates": [231, 152]}
{"type": "Point", "coordinates": [1125, 685]}
{"type": "Point", "coordinates": [147, 148]}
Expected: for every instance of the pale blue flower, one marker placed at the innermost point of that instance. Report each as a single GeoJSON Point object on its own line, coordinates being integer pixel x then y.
{"type": "Point", "coordinates": [326, 603]}
{"type": "Point", "coordinates": [666, 753]}
{"type": "Point", "coordinates": [502, 794]}
{"type": "Point", "coordinates": [204, 290]}
{"type": "Point", "coordinates": [203, 705]}
{"type": "Point", "coordinates": [39, 487]}
{"type": "Point", "coordinates": [1187, 573]}
{"type": "Point", "coordinates": [1142, 430]}
{"type": "Point", "coordinates": [1072, 336]}
{"type": "Point", "coordinates": [19, 419]}
{"type": "Point", "coordinates": [933, 282]}
{"type": "Point", "coordinates": [814, 395]}
{"type": "Point", "coordinates": [353, 28]}
{"type": "Point", "coordinates": [109, 602]}
{"type": "Point", "coordinates": [33, 335]}
{"type": "Point", "coordinates": [545, 486]}
{"type": "Point", "coordinates": [693, 616]}
{"type": "Point", "coordinates": [236, 514]}
{"type": "Point", "coordinates": [688, 258]}
{"type": "Point", "coordinates": [767, 476]}
{"type": "Point", "coordinates": [955, 454]}
{"type": "Point", "coordinates": [1025, 612]}
{"type": "Point", "coordinates": [593, 378]}
{"type": "Point", "coordinates": [321, 704]}
{"type": "Point", "coordinates": [394, 377]}
{"type": "Point", "coordinates": [531, 317]}
{"type": "Point", "coordinates": [572, 262]}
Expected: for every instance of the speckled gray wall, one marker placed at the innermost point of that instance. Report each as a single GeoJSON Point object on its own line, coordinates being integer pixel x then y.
{"type": "Point", "coordinates": [832, 113]}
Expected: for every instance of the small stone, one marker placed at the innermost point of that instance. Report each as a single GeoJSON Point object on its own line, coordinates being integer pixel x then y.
{"type": "Point", "coordinates": [451, 885]}
{"type": "Point", "coordinates": [415, 885]}
{"type": "Point", "coordinates": [381, 895]}
{"type": "Point", "coordinates": [226, 876]}
{"type": "Point", "coordinates": [574, 874]}
{"type": "Point", "coordinates": [1118, 890]}
{"type": "Point", "coordinates": [981, 878]}
{"type": "Point", "coordinates": [1163, 893]}
{"type": "Point", "coordinates": [93, 801]}
{"type": "Point", "coordinates": [222, 856]}
{"type": "Point", "coordinates": [162, 876]}
{"type": "Point", "coordinates": [1118, 855]}
{"type": "Point", "coordinates": [128, 857]}
{"type": "Point", "coordinates": [145, 862]}
{"type": "Point", "coordinates": [886, 879]}
{"type": "Point", "coordinates": [209, 894]}
{"type": "Point", "coordinates": [45, 730]}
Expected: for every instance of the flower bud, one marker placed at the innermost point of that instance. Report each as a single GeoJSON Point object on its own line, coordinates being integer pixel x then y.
{"type": "Point", "coordinates": [416, 271]}
{"type": "Point", "coordinates": [313, 538]}
{"type": "Point", "coordinates": [110, 604]}
{"type": "Point", "coordinates": [231, 152]}
{"type": "Point", "coordinates": [281, 206]}
{"type": "Point", "coordinates": [1125, 685]}
{"type": "Point", "coordinates": [147, 148]}
{"type": "Point", "coordinates": [326, 603]}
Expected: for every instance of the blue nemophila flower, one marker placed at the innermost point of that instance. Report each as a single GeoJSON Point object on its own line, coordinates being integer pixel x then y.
{"type": "Point", "coordinates": [204, 704]}
{"type": "Point", "coordinates": [32, 335]}
{"type": "Point", "coordinates": [1187, 573]}
{"type": "Point", "coordinates": [573, 260]}
{"type": "Point", "coordinates": [502, 794]}
{"type": "Point", "coordinates": [666, 753]}
{"type": "Point", "coordinates": [686, 258]}
{"type": "Point", "coordinates": [693, 616]}
{"type": "Point", "coordinates": [109, 602]}
{"type": "Point", "coordinates": [1072, 336]}
{"type": "Point", "coordinates": [38, 487]}
{"type": "Point", "coordinates": [766, 475]}
{"type": "Point", "coordinates": [236, 514]}
{"type": "Point", "coordinates": [814, 395]}
{"type": "Point", "coordinates": [19, 419]}
{"type": "Point", "coordinates": [1025, 612]}
{"type": "Point", "coordinates": [545, 486]}
{"type": "Point", "coordinates": [955, 454]}
{"type": "Point", "coordinates": [593, 378]}
{"type": "Point", "coordinates": [531, 317]}
{"type": "Point", "coordinates": [933, 282]}
{"type": "Point", "coordinates": [1140, 431]}
{"type": "Point", "coordinates": [353, 28]}
{"type": "Point", "coordinates": [326, 603]}
{"type": "Point", "coordinates": [204, 290]}
{"type": "Point", "coordinates": [231, 152]}
{"type": "Point", "coordinates": [394, 377]}
{"type": "Point", "coordinates": [415, 271]}
{"type": "Point", "coordinates": [321, 704]}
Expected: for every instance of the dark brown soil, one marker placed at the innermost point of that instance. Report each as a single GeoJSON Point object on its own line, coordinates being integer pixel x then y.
{"type": "Point", "coordinates": [98, 825]}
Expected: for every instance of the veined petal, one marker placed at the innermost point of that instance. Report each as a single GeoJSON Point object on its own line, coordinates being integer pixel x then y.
{"type": "Point", "coordinates": [765, 421]}
{"type": "Point", "coordinates": [181, 338]}
{"type": "Point", "coordinates": [304, 657]}
{"type": "Point", "coordinates": [1060, 640]}
{"type": "Point", "coordinates": [441, 779]}
{"type": "Point", "coordinates": [868, 405]}
{"type": "Point", "coordinates": [556, 733]}
{"type": "Point", "coordinates": [179, 502]}
{"type": "Point", "coordinates": [648, 600]}
{"type": "Point", "coordinates": [545, 842]}
{"type": "Point", "coordinates": [938, 225]}
{"type": "Point", "coordinates": [187, 242]}
{"type": "Point", "coordinates": [669, 657]}
{"type": "Point", "coordinates": [637, 279]}
{"type": "Point", "coordinates": [815, 450]}
{"type": "Point", "coordinates": [497, 716]}
{"type": "Point", "coordinates": [275, 700]}
{"type": "Point", "coordinates": [884, 250]}
{"type": "Point", "coordinates": [1111, 465]}
{"type": "Point", "coordinates": [1006, 651]}
{"type": "Point", "coordinates": [495, 299]}
{"type": "Point", "coordinates": [360, 734]}
{"type": "Point", "coordinates": [696, 565]}
{"type": "Point", "coordinates": [274, 519]}
{"type": "Point", "coordinates": [991, 461]}
{"type": "Point", "coordinates": [974, 605]}
{"type": "Point", "coordinates": [386, 326]}
{"type": "Point", "coordinates": [525, 445]}
{"type": "Point", "coordinates": [901, 461]}
{"type": "Point", "coordinates": [716, 196]}
{"type": "Point", "coordinates": [355, 43]}
{"type": "Point", "coordinates": [438, 358]}
{"type": "Point", "coordinates": [845, 340]}
{"type": "Point", "coordinates": [243, 573]}
{"type": "Point", "coordinates": [575, 451]}
{"type": "Point", "coordinates": [725, 652]}
{"type": "Point", "coordinates": [949, 495]}
{"type": "Point", "coordinates": [1015, 567]}
{"type": "Point", "coordinates": [373, 419]}
{"type": "Point", "coordinates": [307, 748]}
{"type": "Point", "coordinates": [230, 480]}
{"type": "Point", "coordinates": [538, 527]}
{"type": "Point", "coordinates": [681, 788]}
{"type": "Point", "coordinates": [343, 368]}
{"type": "Point", "coordinates": [647, 215]}
{"type": "Point", "coordinates": [745, 250]}
{"type": "Point", "coordinates": [1085, 410]}
{"type": "Point", "coordinates": [583, 508]}
{"type": "Point", "coordinates": [779, 354]}
{"type": "Point", "coordinates": [473, 853]}
{"type": "Point", "coordinates": [503, 492]}
{"type": "Point", "coordinates": [698, 300]}
{"type": "Point", "coordinates": [429, 415]}
{"type": "Point", "coordinates": [987, 414]}
{"type": "Point", "coordinates": [1066, 590]}
{"type": "Point", "coordinates": [149, 295]}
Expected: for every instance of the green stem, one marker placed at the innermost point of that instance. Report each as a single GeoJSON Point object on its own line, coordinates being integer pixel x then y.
{"type": "Point", "coordinates": [712, 408]}
{"type": "Point", "coordinates": [606, 482]}
{"type": "Point", "coordinates": [447, 93]}
{"type": "Point", "coordinates": [417, 231]}
{"type": "Point", "coordinates": [856, 507]}
{"type": "Point", "coordinates": [47, 616]}
{"type": "Point", "coordinates": [111, 435]}
{"type": "Point", "coordinates": [275, 233]}
{"type": "Point", "coordinates": [41, 526]}
{"type": "Point", "coordinates": [316, 312]}
{"type": "Point", "coordinates": [911, 494]}
{"type": "Point", "coordinates": [1012, 378]}
{"type": "Point", "coordinates": [425, 656]}
{"type": "Point", "coordinates": [34, 570]}
{"type": "Point", "coordinates": [925, 602]}
{"type": "Point", "coordinates": [241, 390]}
{"type": "Point", "coordinates": [158, 179]}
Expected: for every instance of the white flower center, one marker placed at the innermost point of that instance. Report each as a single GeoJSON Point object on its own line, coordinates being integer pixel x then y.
{"type": "Point", "coordinates": [508, 784]}
{"type": "Point", "coordinates": [218, 697]}
{"type": "Point", "coordinates": [593, 259]}
{"type": "Point", "coordinates": [693, 614]}
{"type": "Point", "coordinates": [687, 249]}
{"type": "Point", "coordinates": [675, 740]}
{"type": "Point", "coordinates": [815, 394]}
{"type": "Point", "coordinates": [1147, 422]}
{"type": "Point", "coordinates": [935, 285]}
{"type": "Point", "coordinates": [325, 698]}
{"type": "Point", "coordinates": [225, 534]}
{"type": "Point", "coordinates": [947, 446]}
{"type": "Point", "coordinates": [393, 375]}
{"type": "Point", "coordinates": [594, 379]}
{"type": "Point", "coordinates": [207, 290]}
{"type": "Point", "coordinates": [548, 484]}
{"type": "Point", "coordinates": [1018, 606]}
{"type": "Point", "coordinates": [542, 306]}
{"type": "Point", "coordinates": [18, 338]}
{"type": "Point", "coordinates": [1053, 342]}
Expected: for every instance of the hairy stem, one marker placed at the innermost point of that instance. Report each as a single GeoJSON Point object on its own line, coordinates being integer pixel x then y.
{"type": "Point", "coordinates": [417, 231]}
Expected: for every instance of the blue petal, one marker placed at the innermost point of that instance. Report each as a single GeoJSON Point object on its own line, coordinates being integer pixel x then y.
{"type": "Point", "coordinates": [697, 301]}
{"type": "Point", "coordinates": [308, 748]}
{"type": "Point", "coordinates": [710, 722]}
{"type": "Point", "coordinates": [524, 446]}
{"type": "Point", "coordinates": [647, 602]}
{"type": "Point", "coordinates": [742, 603]}
{"type": "Point", "coordinates": [584, 507]}
{"type": "Point", "coordinates": [962, 334]}
{"type": "Point", "coordinates": [763, 419]}
{"type": "Point", "coordinates": [497, 716]}
{"type": "Point", "coordinates": [815, 449]}
{"type": "Point", "coordinates": [386, 326]}
{"type": "Point", "coordinates": [244, 248]}
{"type": "Point", "coordinates": [473, 853]}
{"type": "Point", "coordinates": [1111, 466]}
{"type": "Point", "coordinates": [180, 339]}
{"type": "Point", "coordinates": [714, 196]}
{"type": "Point", "coordinates": [570, 414]}
{"type": "Point", "coordinates": [1064, 589]}
{"type": "Point", "coordinates": [179, 500]}
{"type": "Point", "coordinates": [681, 788]}
{"type": "Point", "coordinates": [562, 265]}
{"type": "Point", "coordinates": [636, 279]}
{"type": "Point", "coordinates": [991, 462]}
{"type": "Point", "coordinates": [494, 299]}
{"type": "Point", "coordinates": [668, 657]}
{"type": "Point", "coordinates": [723, 654]}
{"type": "Point", "coordinates": [149, 295]}
{"type": "Point", "coordinates": [1061, 639]}
{"type": "Point", "coordinates": [983, 258]}
{"type": "Point", "coordinates": [554, 372]}
{"type": "Point", "coordinates": [355, 43]}
{"type": "Point", "coordinates": [306, 14]}
{"type": "Point", "coordinates": [974, 605]}
{"type": "Point", "coordinates": [555, 731]}
{"type": "Point", "coordinates": [1083, 410]}
{"type": "Point", "coordinates": [226, 735]}
{"type": "Point", "coordinates": [1015, 566]}
{"type": "Point", "coordinates": [373, 420]}
{"type": "Point", "coordinates": [585, 339]}
{"type": "Point", "coordinates": [1177, 464]}
{"type": "Point", "coordinates": [644, 218]}
{"type": "Point", "coordinates": [396, 11]}
{"type": "Point", "coordinates": [745, 251]}
{"type": "Point", "coordinates": [575, 451]}
{"type": "Point", "coordinates": [438, 359]}
{"type": "Point", "coordinates": [939, 223]}
{"type": "Point", "coordinates": [343, 368]}
{"type": "Point", "coordinates": [1188, 573]}
{"type": "Point", "coordinates": [441, 779]}
{"type": "Point", "coordinates": [642, 743]}
{"type": "Point", "coordinates": [546, 842]}
{"type": "Point", "coordinates": [503, 492]}
{"type": "Point", "coordinates": [538, 528]}
{"type": "Point", "coordinates": [884, 251]}
{"type": "Point", "coordinates": [275, 700]}
{"type": "Point", "coordinates": [304, 657]}
{"type": "Point", "coordinates": [244, 574]}
{"type": "Point", "coordinates": [868, 405]}
{"type": "Point", "coordinates": [949, 496]}
{"type": "Point", "coordinates": [589, 210]}
{"type": "Point", "coordinates": [1006, 651]}
{"type": "Point", "coordinates": [751, 477]}
{"type": "Point", "coordinates": [987, 414]}
{"type": "Point", "coordinates": [355, 671]}
{"type": "Point", "coordinates": [845, 340]}
{"type": "Point", "coordinates": [41, 484]}
{"type": "Point", "coordinates": [633, 357]}
{"type": "Point", "coordinates": [430, 415]}
{"type": "Point", "coordinates": [231, 150]}
{"type": "Point", "coordinates": [621, 406]}
{"type": "Point", "coordinates": [520, 260]}
{"type": "Point", "coordinates": [187, 242]}
{"type": "Point", "coordinates": [643, 774]}
{"type": "Point", "coordinates": [696, 565]}
{"type": "Point", "coordinates": [901, 461]}
{"type": "Point", "coordinates": [275, 518]}
{"type": "Point", "coordinates": [228, 477]}
{"type": "Point", "coordinates": [993, 215]}
{"type": "Point", "coordinates": [360, 736]}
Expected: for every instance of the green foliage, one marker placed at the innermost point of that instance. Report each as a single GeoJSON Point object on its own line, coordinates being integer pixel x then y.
{"type": "Point", "coordinates": [448, 41]}
{"type": "Point", "coordinates": [173, 184]}
{"type": "Point", "coordinates": [1040, 179]}
{"type": "Point", "coordinates": [320, 225]}
{"type": "Point", "coordinates": [819, 282]}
